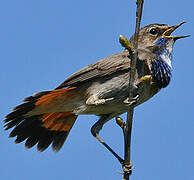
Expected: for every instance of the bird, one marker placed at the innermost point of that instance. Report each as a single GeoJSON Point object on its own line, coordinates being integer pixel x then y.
{"type": "Point", "coordinates": [101, 88]}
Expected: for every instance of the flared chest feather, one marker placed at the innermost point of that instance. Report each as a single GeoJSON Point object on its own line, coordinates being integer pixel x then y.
{"type": "Point", "coordinates": [161, 66]}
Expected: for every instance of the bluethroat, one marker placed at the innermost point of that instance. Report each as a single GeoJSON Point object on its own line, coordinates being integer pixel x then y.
{"type": "Point", "coordinates": [101, 88]}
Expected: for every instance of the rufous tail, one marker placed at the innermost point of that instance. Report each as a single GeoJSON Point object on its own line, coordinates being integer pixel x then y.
{"type": "Point", "coordinates": [43, 128]}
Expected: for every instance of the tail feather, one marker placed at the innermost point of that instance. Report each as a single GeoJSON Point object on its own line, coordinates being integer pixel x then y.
{"type": "Point", "coordinates": [12, 123]}
{"type": "Point", "coordinates": [31, 141]}
{"type": "Point", "coordinates": [36, 96]}
{"type": "Point", "coordinates": [20, 111]}
{"type": "Point", "coordinates": [42, 129]}
{"type": "Point", "coordinates": [21, 138]}
{"type": "Point", "coordinates": [59, 140]}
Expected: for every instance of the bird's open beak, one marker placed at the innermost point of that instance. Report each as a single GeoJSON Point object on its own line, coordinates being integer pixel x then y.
{"type": "Point", "coordinates": [167, 33]}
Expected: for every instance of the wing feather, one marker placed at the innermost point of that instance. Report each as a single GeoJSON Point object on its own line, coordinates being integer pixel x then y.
{"type": "Point", "coordinates": [103, 67]}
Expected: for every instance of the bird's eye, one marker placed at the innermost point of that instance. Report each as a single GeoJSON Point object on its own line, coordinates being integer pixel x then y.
{"type": "Point", "coordinates": [153, 31]}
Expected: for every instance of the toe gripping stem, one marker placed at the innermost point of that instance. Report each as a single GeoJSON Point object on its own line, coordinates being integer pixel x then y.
{"type": "Point", "coordinates": [134, 100]}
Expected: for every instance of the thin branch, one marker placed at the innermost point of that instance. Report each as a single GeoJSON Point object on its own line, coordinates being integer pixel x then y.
{"type": "Point", "coordinates": [133, 52]}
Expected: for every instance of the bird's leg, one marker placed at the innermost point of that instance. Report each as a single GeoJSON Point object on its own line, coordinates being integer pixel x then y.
{"type": "Point", "coordinates": [95, 132]}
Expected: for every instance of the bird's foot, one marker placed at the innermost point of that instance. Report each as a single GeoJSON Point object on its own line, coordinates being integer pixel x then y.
{"type": "Point", "coordinates": [134, 100]}
{"type": "Point", "coordinates": [127, 168]}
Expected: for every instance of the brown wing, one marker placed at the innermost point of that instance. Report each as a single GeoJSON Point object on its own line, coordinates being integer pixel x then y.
{"type": "Point", "coordinates": [103, 67]}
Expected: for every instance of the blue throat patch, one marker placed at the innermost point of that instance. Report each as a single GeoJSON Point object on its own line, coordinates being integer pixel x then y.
{"type": "Point", "coordinates": [161, 71]}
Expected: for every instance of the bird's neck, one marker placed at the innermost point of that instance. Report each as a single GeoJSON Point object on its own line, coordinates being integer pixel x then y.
{"type": "Point", "coordinates": [161, 66]}
{"type": "Point", "coordinates": [164, 51]}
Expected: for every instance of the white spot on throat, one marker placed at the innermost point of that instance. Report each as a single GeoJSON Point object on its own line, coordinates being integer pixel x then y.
{"type": "Point", "coordinates": [166, 53]}
{"type": "Point", "coordinates": [167, 58]}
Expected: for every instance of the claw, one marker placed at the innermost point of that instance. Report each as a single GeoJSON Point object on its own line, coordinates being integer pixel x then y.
{"type": "Point", "coordinates": [132, 102]}
{"type": "Point", "coordinates": [127, 167]}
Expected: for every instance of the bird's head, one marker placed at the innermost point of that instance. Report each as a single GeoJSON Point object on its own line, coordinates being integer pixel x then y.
{"type": "Point", "coordinates": [156, 40]}
{"type": "Point", "coordinates": [157, 35]}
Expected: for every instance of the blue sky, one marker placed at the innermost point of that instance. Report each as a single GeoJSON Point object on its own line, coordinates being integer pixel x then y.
{"type": "Point", "coordinates": [42, 42]}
